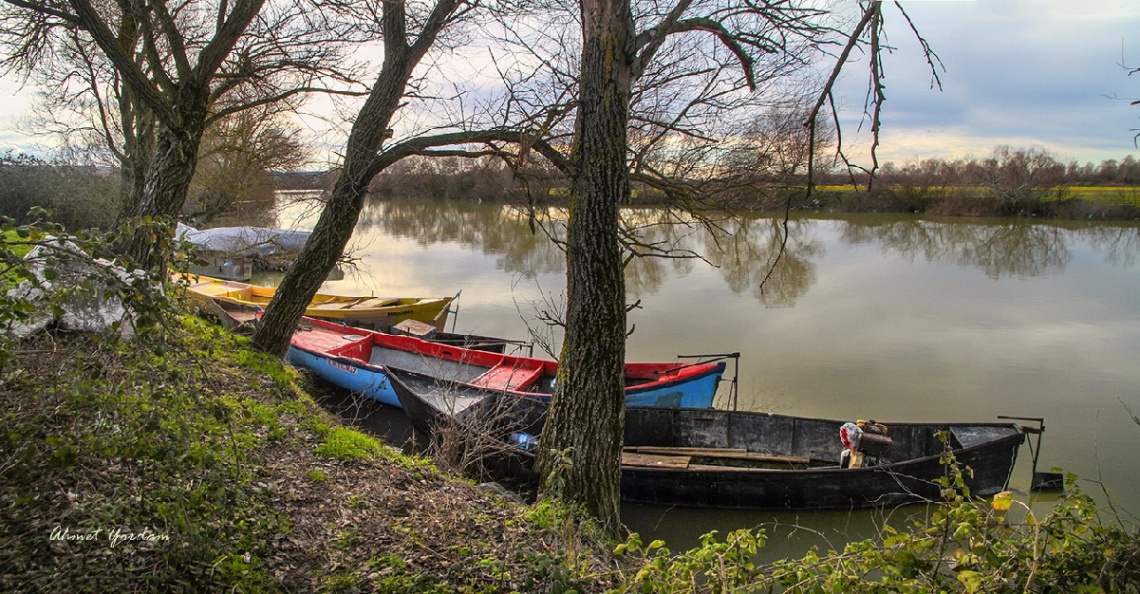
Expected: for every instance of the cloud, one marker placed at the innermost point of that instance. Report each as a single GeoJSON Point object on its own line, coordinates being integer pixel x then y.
{"type": "Point", "coordinates": [1026, 73]}
{"type": "Point", "coordinates": [1044, 73]}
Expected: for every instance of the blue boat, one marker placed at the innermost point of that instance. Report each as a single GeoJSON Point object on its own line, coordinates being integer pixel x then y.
{"type": "Point", "coordinates": [355, 359]}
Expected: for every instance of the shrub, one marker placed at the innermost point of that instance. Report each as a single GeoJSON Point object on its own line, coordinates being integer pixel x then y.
{"type": "Point", "coordinates": [965, 545]}
{"type": "Point", "coordinates": [78, 197]}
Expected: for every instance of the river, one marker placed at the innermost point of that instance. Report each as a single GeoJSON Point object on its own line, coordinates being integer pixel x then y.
{"type": "Point", "coordinates": [890, 317]}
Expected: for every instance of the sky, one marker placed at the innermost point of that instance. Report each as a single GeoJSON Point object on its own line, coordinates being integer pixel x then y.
{"type": "Point", "coordinates": [1025, 73]}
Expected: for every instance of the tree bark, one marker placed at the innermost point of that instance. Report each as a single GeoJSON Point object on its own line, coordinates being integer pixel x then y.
{"type": "Point", "coordinates": [342, 210]}
{"type": "Point", "coordinates": [164, 190]}
{"type": "Point", "coordinates": [587, 413]}
{"type": "Point", "coordinates": [137, 126]}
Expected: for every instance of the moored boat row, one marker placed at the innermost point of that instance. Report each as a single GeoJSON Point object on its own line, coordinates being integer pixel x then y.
{"type": "Point", "coordinates": [355, 358]}
{"type": "Point", "coordinates": [378, 313]}
{"type": "Point", "coordinates": [358, 359]}
{"type": "Point", "coordinates": [737, 459]}
{"type": "Point", "coordinates": [679, 450]}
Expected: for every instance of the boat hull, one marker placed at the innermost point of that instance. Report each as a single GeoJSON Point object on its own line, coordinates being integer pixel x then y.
{"type": "Point", "coordinates": [429, 402]}
{"type": "Point", "coordinates": [377, 313]}
{"type": "Point", "coordinates": [356, 359]}
{"type": "Point", "coordinates": [745, 460]}
{"type": "Point", "coordinates": [693, 392]}
{"type": "Point", "coordinates": [346, 373]}
{"type": "Point", "coordinates": [911, 474]}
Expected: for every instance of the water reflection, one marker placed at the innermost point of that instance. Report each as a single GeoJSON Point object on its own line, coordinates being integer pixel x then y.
{"type": "Point", "coordinates": [1119, 244]}
{"type": "Point", "coordinates": [1018, 249]}
{"type": "Point", "coordinates": [501, 231]}
{"type": "Point", "coordinates": [743, 249]}
{"type": "Point", "coordinates": [746, 251]}
{"type": "Point", "coordinates": [891, 317]}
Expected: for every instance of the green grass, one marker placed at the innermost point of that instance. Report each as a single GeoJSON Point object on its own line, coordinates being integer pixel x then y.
{"type": "Point", "coordinates": [17, 244]}
{"type": "Point", "coordinates": [1126, 195]}
{"type": "Point", "coordinates": [343, 443]}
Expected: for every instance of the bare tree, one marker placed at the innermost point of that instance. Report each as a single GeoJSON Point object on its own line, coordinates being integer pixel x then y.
{"type": "Point", "coordinates": [238, 158]}
{"type": "Point", "coordinates": [182, 64]}
{"type": "Point", "coordinates": [625, 45]}
{"type": "Point", "coordinates": [82, 102]}
{"type": "Point", "coordinates": [621, 46]}
{"type": "Point", "coordinates": [409, 31]}
{"type": "Point", "coordinates": [1017, 177]}
{"type": "Point", "coordinates": [639, 99]}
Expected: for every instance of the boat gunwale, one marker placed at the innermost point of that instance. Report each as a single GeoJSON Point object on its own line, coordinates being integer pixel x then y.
{"type": "Point", "coordinates": [1015, 438]}
{"type": "Point", "coordinates": [689, 372]}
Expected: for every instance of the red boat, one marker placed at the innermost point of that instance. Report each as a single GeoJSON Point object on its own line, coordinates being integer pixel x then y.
{"type": "Point", "coordinates": [355, 359]}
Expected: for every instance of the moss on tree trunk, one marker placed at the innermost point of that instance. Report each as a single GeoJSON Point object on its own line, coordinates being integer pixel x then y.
{"type": "Point", "coordinates": [587, 411]}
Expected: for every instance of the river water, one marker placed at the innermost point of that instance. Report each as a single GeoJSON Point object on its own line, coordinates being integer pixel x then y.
{"type": "Point", "coordinates": [889, 317]}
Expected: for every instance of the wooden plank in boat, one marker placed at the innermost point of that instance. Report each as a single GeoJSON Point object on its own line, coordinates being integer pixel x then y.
{"type": "Point", "coordinates": [726, 453]}
{"type": "Point", "coordinates": [653, 460]}
{"type": "Point", "coordinates": [680, 451]}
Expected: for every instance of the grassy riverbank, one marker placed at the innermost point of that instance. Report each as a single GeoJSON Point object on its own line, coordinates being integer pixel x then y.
{"type": "Point", "coordinates": [191, 463]}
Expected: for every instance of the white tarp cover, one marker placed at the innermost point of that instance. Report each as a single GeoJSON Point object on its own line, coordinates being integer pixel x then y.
{"type": "Point", "coordinates": [95, 312]}
{"type": "Point", "coordinates": [245, 241]}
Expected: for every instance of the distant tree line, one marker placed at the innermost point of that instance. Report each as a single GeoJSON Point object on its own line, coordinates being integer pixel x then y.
{"type": "Point", "coordinates": [458, 178]}
{"type": "Point", "coordinates": [235, 183]}
{"type": "Point", "coordinates": [240, 172]}
{"type": "Point", "coordinates": [1008, 182]}
{"type": "Point", "coordinates": [1015, 166]}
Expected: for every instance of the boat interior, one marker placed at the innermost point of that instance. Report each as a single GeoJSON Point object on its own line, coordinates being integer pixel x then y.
{"type": "Point", "coordinates": [509, 375]}
{"type": "Point", "coordinates": [777, 441]}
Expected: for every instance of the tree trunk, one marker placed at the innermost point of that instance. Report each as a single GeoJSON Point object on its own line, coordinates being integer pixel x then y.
{"type": "Point", "coordinates": [163, 193]}
{"type": "Point", "coordinates": [333, 230]}
{"type": "Point", "coordinates": [339, 216]}
{"type": "Point", "coordinates": [587, 413]}
{"type": "Point", "coordinates": [341, 212]}
{"type": "Point", "coordinates": [138, 130]}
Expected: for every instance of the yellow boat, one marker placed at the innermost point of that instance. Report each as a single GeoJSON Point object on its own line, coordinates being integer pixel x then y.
{"type": "Point", "coordinates": [378, 313]}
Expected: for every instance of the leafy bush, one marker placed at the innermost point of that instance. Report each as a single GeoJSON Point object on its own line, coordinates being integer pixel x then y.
{"type": "Point", "coordinates": [966, 545]}
{"type": "Point", "coordinates": [46, 272]}
{"type": "Point", "coordinates": [78, 197]}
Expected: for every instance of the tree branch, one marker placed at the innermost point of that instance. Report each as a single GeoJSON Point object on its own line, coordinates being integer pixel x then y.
{"type": "Point", "coordinates": [421, 144]}
{"type": "Point", "coordinates": [43, 8]}
{"type": "Point", "coordinates": [215, 52]}
{"type": "Point", "coordinates": [177, 49]}
{"type": "Point", "coordinates": [244, 106]}
{"type": "Point", "coordinates": [651, 41]}
{"type": "Point", "coordinates": [123, 61]}
{"type": "Point", "coordinates": [728, 39]}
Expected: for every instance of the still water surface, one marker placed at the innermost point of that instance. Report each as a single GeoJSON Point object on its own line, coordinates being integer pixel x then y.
{"type": "Point", "coordinates": [884, 317]}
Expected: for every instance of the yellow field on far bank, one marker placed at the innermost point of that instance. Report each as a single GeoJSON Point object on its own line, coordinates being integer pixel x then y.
{"type": "Point", "coordinates": [1100, 194]}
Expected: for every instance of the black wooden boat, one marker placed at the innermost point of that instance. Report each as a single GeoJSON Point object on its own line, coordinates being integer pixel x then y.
{"type": "Point", "coordinates": [730, 459]}
{"type": "Point", "coordinates": [715, 458]}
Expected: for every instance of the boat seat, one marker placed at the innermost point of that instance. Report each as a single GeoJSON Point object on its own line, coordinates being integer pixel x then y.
{"type": "Point", "coordinates": [352, 347]}
{"type": "Point", "coordinates": [507, 377]}
{"type": "Point", "coordinates": [350, 304]}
